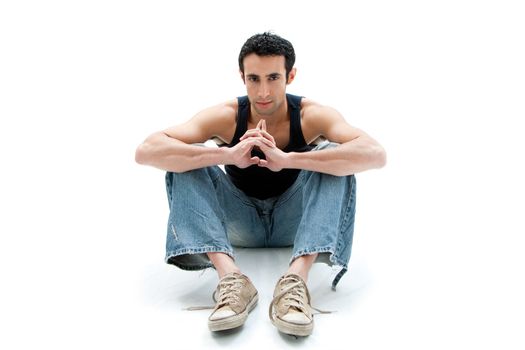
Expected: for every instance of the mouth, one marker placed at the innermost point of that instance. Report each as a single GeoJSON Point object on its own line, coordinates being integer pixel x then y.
{"type": "Point", "coordinates": [263, 103]}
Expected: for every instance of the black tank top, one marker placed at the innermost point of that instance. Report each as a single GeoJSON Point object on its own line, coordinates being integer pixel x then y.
{"type": "Point", "coordinates": [260, 182]}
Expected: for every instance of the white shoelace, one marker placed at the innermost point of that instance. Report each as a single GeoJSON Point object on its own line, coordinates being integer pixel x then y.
{"type": "Point", "coordinates": [229, 290]}
{"type": "Point", "coordinates": [294, 296]}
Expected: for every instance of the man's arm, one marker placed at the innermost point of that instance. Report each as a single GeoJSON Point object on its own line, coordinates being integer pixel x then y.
{"type": "Point", "coordinates": [357, 151]}
{"type": "Point", "coordinates": [173, 149]}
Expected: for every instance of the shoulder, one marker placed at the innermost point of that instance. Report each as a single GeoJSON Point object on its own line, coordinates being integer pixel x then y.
{"type": "Point", "coordinates": [317, 115]}
{"type": "Point", "coordinates": [318, 120]}
{"type": "Point", "coordinates": [218, 117]}
{"type": "Point", "coordinates": [217, 121]}
{"type": "Point", "coordinates": [220, 120]}
{"type": "Point", "coordinates": [222, 111]}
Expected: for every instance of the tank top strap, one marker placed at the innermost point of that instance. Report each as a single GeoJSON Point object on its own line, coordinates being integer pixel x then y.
{"type": "Point", "coordinates": [296, 132]}
{"type": "Point", "coordinates": [241, 118]}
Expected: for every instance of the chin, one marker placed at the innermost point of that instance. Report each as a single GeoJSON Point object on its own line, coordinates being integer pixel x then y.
{"type": "Point", "coordinates": [268, 112]}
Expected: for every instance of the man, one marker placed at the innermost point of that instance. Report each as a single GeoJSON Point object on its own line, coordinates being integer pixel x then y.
{"type": "Point", "coordinates": [280, 187]}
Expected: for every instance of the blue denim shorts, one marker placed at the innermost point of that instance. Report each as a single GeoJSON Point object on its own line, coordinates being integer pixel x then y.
{"type": "Point", "coordinates": [209, 214]}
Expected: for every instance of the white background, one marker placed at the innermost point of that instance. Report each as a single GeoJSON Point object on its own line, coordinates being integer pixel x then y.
{"type": "Point", "coordinates": [438, 254]}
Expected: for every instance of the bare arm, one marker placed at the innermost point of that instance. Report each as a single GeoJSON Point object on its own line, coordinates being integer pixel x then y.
{"type": "Point", "coordinates": [172, 149]}
{"type": "Point", "coordinates": [357, 151]}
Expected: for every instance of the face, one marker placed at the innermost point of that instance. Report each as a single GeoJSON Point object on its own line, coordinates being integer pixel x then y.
{"type": "Point", "coordinates": [265, 79]}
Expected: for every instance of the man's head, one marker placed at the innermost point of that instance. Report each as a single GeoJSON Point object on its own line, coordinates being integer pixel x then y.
{"type": "Point", "coordinates": [268, 44]}
{"type": "Point", "coordinates": [266, 65]}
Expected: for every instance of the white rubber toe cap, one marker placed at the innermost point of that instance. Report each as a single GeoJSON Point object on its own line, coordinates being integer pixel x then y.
{"type": "Point", "coordinates": [296, 317]}
{"type": "Point", "coordinates": [223, 312]}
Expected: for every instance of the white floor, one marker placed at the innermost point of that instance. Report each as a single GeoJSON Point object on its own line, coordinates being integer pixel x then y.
{"type": "Point", "coordinates": [166, 291]}
{"type": "Point", "coordinates": [430, 269]}
{"type": "Point", "coordinates": [97, 279]}
{"type": "Point", "coordinates": [438, 259]}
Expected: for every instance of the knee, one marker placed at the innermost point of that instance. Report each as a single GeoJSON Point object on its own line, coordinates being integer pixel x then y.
{"type": "Point", "coordinates": [206, 172]}
{"type": "Point", "coordinates": [325, 144]}
{"type": "Point", "coordinates": [193, 179]}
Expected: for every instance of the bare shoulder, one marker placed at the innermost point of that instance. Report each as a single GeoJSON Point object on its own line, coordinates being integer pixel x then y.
{"type": "Point", "coordinates": [315, 112]}
{"type": "Point", "coordinates": [321, 121]}
{"type": "Point", "coordinates": [215, 122]}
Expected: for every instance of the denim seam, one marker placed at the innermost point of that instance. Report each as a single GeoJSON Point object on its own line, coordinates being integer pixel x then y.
{"type": "Point", "coordinates": [345, 217]}
{"type": "Point", "coordinates": [348, 204]}
{"type": "Point", "coordinates": [333, 258]}
{"type": "Point", "coordinates": [234, 190]}
{"type": "Point", "coordinates": [243, 200]}
{"type": "Point", "coordinates": [215, 179]}
{"type": "Point", "coordinates": [297, 184]}
{"type": "Point", "coordinates": [205, 249]}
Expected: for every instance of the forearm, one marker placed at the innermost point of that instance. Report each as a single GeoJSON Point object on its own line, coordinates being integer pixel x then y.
{"type": "Point", "coordinates": [170, 154]}
{"type": "Point", "coordinates": [348, 158]}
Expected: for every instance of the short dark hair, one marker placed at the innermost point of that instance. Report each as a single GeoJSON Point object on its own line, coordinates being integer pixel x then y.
{"type": "Point", "coordinates": [268, 44]}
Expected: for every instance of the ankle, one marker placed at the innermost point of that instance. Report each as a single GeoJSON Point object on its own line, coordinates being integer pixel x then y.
{"type": "Point", "coordinates": [223, 264]}
{"type": "Point", "coordinates": [301, 266]}
{"type": "Point", "coordinates": [300, 273]}
{"type": "Point", "coordinates": [224, 271]}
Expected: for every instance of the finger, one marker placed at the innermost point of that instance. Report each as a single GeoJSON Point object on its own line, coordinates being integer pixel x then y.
{"type": "Point", "coordinates": [263, 163]}
{"type": "Point", "coordinates": [257, 133]}
{"type": "Point", "coordinates": [261, 142]}
{"type": "Point", "coordinates": [255, 160]}
{"type": "Point", "coordinates": [250, 133]}
{"type": "Point", "coordinates": [266, 142]}
{"type": "Point", "coordinates": [263, 125]}
{"type": "Point", "coordinates": [257, 141]}
{"type": "Point", "coordinates": [268, 136]}
{"type": "Point", "coordinates": [259, 124]}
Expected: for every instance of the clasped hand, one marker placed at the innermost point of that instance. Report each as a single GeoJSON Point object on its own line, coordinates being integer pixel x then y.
{"type": "Point", "coordinates": [260, 138]}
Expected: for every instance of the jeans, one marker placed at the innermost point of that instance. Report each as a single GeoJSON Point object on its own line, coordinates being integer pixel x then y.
{"type": "Point", "coordinates": [209, 214]}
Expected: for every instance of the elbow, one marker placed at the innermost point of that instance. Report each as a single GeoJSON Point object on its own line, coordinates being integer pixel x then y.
{"type": "Point", "coordinates": [380, 157]}
{"type": "Point", "coordinates": [141, 154]}
{"type": "Point", "coordinates": [146, 150]}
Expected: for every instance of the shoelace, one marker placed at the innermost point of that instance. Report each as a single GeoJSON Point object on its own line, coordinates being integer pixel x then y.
{"type": "Point", "coordinates": [294, 295]}
{"type": "Point", "coordinates": [229, 290]}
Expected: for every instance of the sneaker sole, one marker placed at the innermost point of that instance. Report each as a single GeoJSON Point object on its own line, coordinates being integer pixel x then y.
{"type": "Point", "coordinates": [301, 330]}
{"type": "Point", "coordinates": [233, 321]}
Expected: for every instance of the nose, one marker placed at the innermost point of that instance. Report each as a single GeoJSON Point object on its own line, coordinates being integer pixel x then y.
{"type": "Point", "coordinates": [264, 90]}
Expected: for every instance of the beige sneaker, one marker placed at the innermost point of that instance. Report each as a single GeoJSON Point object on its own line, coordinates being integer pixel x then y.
{"type": "Point", "coordinates": [290, 310]}
{"type": "Point", "coordinates": [236, 297]}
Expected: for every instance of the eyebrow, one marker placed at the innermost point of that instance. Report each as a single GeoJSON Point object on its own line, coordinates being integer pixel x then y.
{"type": "Point", "coordinates": [268, 75]}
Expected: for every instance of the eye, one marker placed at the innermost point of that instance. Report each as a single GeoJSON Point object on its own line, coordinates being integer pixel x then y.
{"type": "Point", "coordinates": [273, 77]}
{"type": "Point", "coordinates": [253, 79]}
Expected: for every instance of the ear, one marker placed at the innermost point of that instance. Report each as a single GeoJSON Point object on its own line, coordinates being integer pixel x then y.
{"type": "Point", "coordinates": [242, 76]}
{"type": "Point", "coordinates": [291, 75]}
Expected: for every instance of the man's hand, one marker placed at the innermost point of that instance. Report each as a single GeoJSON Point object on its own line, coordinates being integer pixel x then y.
{"type": "Point", "coordinates": [241, 153]}
{"type": "Point", "coordinates": [259, 131]}
{"type": "Point", "coordinates": [264, 141]}
{"type": "Point", "coordinates": [275, 158]}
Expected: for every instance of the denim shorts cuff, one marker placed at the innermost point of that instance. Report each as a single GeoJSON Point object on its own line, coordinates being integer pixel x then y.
{"type": "Point", "coordinates": [195, 251]}
{"type": "Point", "coordinates": [333, 260]}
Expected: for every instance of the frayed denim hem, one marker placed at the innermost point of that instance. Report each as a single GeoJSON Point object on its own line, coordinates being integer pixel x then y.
{"type": "Point", "coordinates": [192, 259]}
{"type": "Point", "coordinates": [332, 261]}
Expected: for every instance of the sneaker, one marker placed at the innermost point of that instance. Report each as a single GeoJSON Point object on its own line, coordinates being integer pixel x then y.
{"type": "Point", "coordinates": [290, 310]}
{"type": "Point", "coordinates": [236, 297]}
